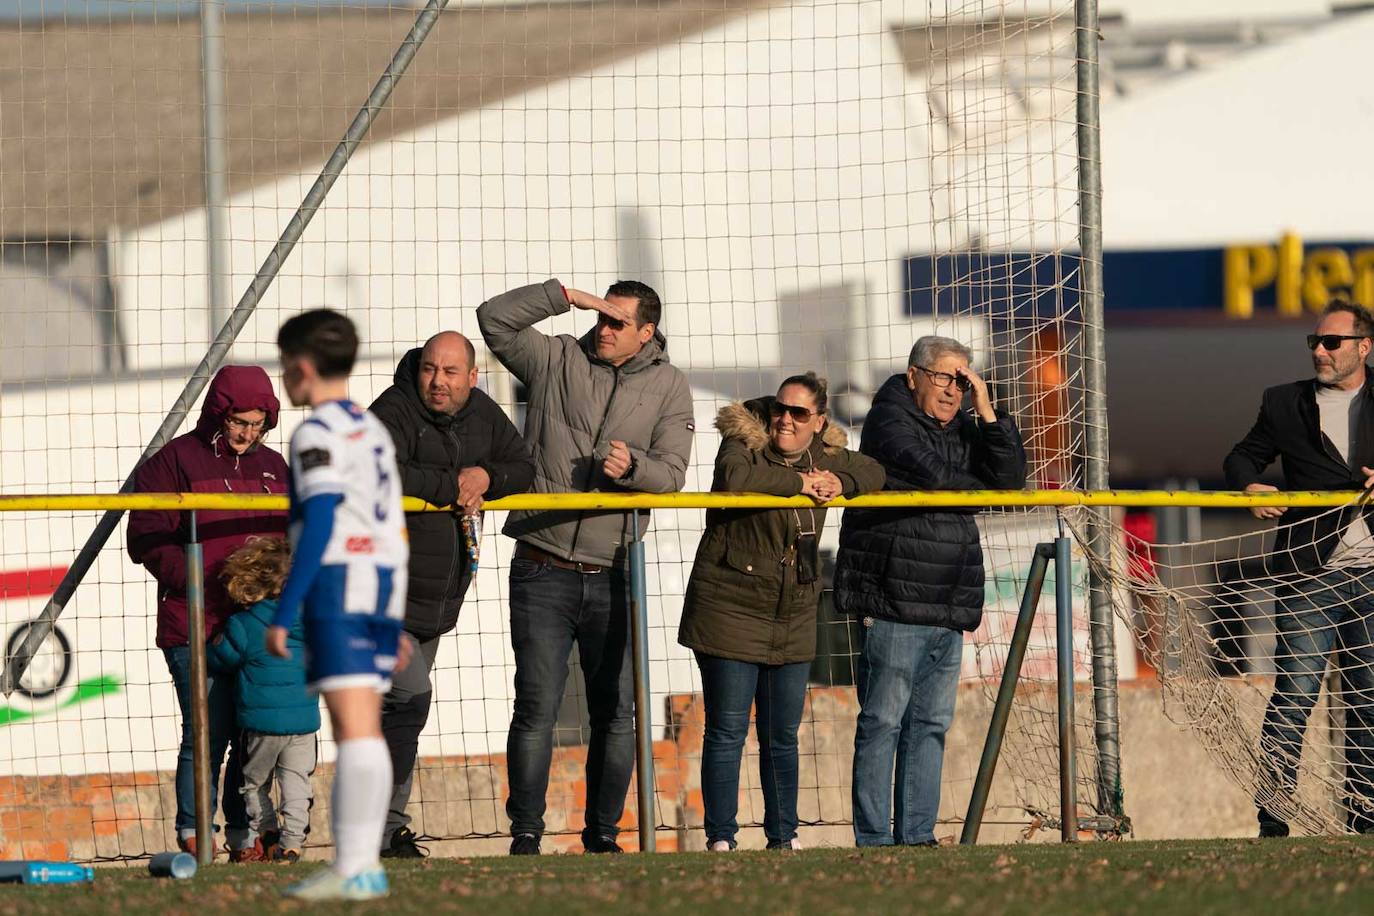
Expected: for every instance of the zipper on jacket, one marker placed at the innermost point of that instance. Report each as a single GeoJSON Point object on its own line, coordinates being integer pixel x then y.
{"type": "Point", "coordinates": [453, 567]}
{"type": "Point", "coordinates": [591, 465]}
{"type": "Point", "coordinates": [457, 523]}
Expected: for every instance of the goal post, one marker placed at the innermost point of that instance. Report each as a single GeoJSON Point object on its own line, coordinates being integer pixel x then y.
{"type": "Point", "coordinates": [1106, 711]}
{"type": "Point", "coordinates": [810, 185]}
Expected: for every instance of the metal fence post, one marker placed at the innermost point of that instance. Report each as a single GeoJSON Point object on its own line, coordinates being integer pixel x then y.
{"type": "Point", "coordinates": [1106, 721]}
{"type": "Point", "coordinates": [200, 699]}
{"type": "Point", "coordinates": [644, 725]}
{"type": "Point", "coordinates": [1006, 693]}
{"type": "Point", "coordinates": [216, 187]}
{"type": "Point", "coordinates": [1063, 637]}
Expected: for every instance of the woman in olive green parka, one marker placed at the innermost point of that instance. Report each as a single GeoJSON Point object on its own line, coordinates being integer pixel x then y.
{"type": "Point", "coordinates": [750, 608]}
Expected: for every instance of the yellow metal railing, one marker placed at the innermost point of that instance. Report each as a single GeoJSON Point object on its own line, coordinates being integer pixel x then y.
{"type": "Point", "coordinates": [84, 502]}
{"type": "Point", "coordinates": [18, 660]}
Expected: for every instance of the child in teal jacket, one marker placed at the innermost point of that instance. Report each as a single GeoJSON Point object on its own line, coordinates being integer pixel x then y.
{"type": "Point", "coordinates": [278, 717]}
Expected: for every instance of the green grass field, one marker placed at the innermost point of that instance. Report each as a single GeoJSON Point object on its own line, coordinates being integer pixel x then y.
{"type": "Point", "coordinates": [1226, 876]}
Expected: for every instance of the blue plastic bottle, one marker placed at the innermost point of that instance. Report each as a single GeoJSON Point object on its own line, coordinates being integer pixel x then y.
{"type": "Point", "coordinates": [45, 872]}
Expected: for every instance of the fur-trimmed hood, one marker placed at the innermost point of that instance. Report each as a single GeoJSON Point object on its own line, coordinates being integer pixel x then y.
{"type": "Point", "coordinates": [748, 421]}
{"type": "Point", "coordinates": [745, 599]}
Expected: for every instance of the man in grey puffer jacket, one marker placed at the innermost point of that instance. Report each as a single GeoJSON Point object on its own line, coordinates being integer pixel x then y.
{"type": "Point", "coordinates": [604, 413]}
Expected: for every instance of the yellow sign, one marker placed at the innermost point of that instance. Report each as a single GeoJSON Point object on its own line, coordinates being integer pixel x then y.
{"type": "Point", "coordinates": [1302, 280]}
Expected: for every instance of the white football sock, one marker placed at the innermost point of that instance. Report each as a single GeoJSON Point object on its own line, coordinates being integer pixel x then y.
{"type": "Point", "coordinates": [362, 794]}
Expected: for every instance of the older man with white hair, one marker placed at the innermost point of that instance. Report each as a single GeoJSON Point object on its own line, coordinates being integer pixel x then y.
{"type": "Point", "coordinates": [915, 577]}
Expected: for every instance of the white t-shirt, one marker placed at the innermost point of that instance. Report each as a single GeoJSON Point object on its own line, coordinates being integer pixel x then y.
{"type": "Point", "coordinates": [1337, 409]}
{"type": "Point", "coordinates": [342, 449]}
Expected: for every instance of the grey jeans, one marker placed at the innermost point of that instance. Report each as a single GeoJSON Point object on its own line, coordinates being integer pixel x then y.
{"type": "Point", "coordinates": [291, 760]}
{"type": "Point", "coordinates": [405, 710]}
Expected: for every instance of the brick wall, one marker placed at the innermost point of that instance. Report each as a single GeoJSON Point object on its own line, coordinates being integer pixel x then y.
{"type": "Point", "coordinates": [105, 815]}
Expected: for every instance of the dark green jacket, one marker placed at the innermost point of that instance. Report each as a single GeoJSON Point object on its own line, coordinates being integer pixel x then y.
{"type": "Point", "coordinates": [743, 600]}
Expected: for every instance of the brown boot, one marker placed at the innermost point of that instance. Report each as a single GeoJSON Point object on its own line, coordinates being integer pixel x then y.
{"type": "Point", "coordinates": [252, 853]}
{"type": "Point", "coordinates": [188, 844]}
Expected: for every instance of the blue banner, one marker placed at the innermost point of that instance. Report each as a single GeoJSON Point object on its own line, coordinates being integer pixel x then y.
{"type": "Point", "coordinates": [1284, 279]}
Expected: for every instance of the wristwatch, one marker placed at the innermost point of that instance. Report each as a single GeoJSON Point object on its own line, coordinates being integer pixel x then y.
{"type": "Point", "coordinates": [630, 471]}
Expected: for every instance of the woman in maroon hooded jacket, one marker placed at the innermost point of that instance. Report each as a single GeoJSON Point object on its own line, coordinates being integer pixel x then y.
{"type": "Point", "coordinates": [223, 454]}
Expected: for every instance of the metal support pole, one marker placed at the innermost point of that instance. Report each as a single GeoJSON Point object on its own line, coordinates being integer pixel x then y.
{"type": "Point", "coordinates": [1106, 722]}
{"type": "Point", "coordinates": [17, 664]}
{"type": "Point", "coordinates": [1006, 693]}
{"type": "Point", "coordinates": [200, 697]}
{"type": "Point", "coordinates": [644, 724]}
{"type": "Point", "coordinates": [212, 100]}
{"type": "Point", "coordinates": [1063, 637]}
{"type": "Point", "coordinates": [216, 194]}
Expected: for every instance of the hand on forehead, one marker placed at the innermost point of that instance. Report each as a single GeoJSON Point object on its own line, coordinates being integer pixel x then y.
{"type": "Point", "coordinates": [948, 362]}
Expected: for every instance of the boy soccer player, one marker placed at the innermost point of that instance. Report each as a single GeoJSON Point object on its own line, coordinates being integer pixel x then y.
{"type": "Point", "coordinates": [348, 581]}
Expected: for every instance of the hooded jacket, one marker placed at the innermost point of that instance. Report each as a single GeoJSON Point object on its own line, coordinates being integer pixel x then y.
{"type": "Point", "coordinates": [270, 695]}
{"type": "Point", "coordinates": [577, 404]}
{"type": "Point", "coordinates": [924, 566]}
{"type": "Point", "coordinates": [431, 448]}
{"type": "Point", "coordinates": [202, 462]}
{"type": "Point", "coordinates": [743, 600]}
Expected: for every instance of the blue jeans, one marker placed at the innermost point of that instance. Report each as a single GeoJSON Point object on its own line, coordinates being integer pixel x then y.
{"type": "Point", "coordinates": [551, 609]}
{"type": "Point", "coordinates": [222, 728]}
{"type": "Point", "coordinates": [908, 677]}
{"type": "Point", "coordinates": [1332, 611]}
{"type": "Point", "coordinates": [729, 688]}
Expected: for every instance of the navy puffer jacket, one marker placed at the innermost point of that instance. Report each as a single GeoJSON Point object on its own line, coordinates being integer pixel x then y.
{"type": "Point", "coordinates": [924, 566]}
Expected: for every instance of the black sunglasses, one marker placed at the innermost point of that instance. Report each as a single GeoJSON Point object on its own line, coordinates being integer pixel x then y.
{"type": "Point", "coordinates": [944, 379]}
{"type": "Point", "coordinates": [1330, 342]}
{"type": "Point", "coordinates": [799, 414]}
{"type": "Point", "coordinates": [615, 324]}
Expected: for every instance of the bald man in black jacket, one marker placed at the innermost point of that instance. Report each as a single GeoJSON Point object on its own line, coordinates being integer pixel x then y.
{"type": "Point", "coordinates": [454, 447]}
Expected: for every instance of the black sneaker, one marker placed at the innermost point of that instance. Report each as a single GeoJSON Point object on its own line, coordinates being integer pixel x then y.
{"type": "Point", "coordinates": [1270, 826]}
{"type": "Point", "coordinates": [404, 846]}
{"type": "Point", "coordinates": [524, 844]}
{"type": "Point", "coordinates": [602, 845]}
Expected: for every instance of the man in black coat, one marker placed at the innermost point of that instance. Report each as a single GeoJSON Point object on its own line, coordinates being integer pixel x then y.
{"type": "Point", "coordinates": [1323, 430]}
{"type": "Point", "coordinates": [916, 578]}
{"type": "Point", "coordinates": [454, 447]}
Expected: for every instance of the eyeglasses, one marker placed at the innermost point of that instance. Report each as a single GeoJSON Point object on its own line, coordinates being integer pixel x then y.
{"type": "Point", "coordinates": [244, 426]}
{"type": "Point", "coordinates": [615, 324]}
{"type": "Point", "coordinates": [1330, 342]}
{"type": "Point", "coordinates": [944, 379]}
{"type": "Point", "coordinates": [799, 414]}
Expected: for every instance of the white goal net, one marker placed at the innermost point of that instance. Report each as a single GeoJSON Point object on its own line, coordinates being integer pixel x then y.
{"type": "Point", "coordinates": [809, 185]}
